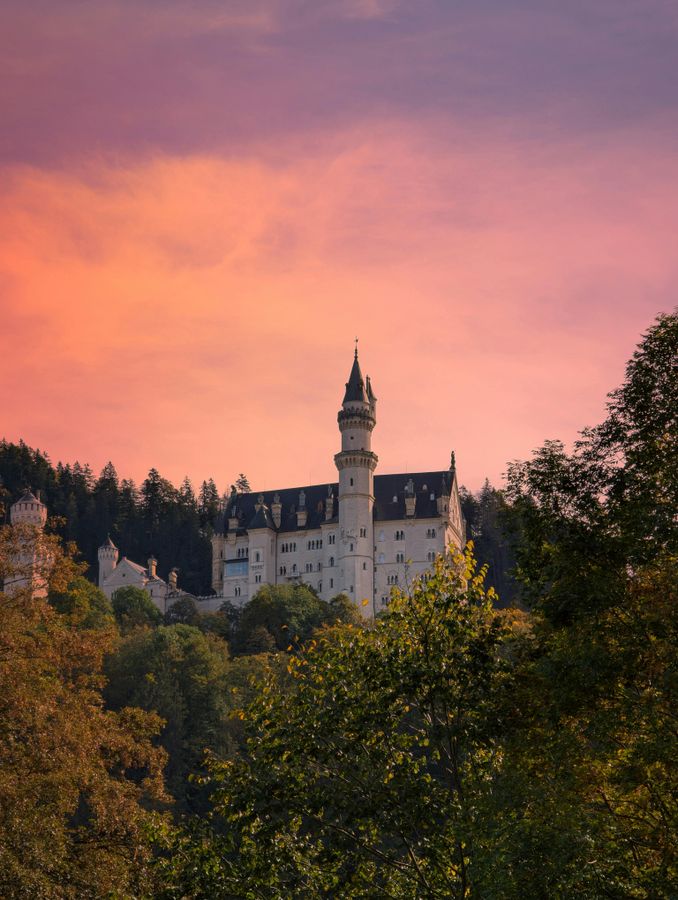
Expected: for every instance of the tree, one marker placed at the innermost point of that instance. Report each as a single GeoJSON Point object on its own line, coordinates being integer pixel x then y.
{"type": "Point", "coordinates": [180, 674]}
{"type": "Point", "coordinates": [133, 608]}
{"type": "Point", "coordinates": [343, 610]}
{"type": "Point", "coordinates": [288, 613]}
{"type": "Point", "coordinates": [75, 779]}
{"type": "Point", "coordinates": [208, 503]}
{"type": "Point", "coordinates": [242, 485]}
{"type": "Point", "coordinates": [485, 513]}
{"type": "Point", "coordinates": [596, 555]}
{"type": "Point", "coordinates": [182, 612]}
{"type": "Point", "coordinates": [83, 604]}
{"type": "Point", "coordinates": [366, 776]}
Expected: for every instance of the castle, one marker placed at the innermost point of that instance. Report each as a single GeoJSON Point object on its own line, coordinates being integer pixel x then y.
{"type": "Point", "coordinates": [362, 535]}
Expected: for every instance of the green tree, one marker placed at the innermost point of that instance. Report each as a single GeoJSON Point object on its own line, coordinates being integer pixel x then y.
{"type": "Point", "coordinates": [367, 776]}
{"type": "Point", "coordinates": [133, 608]}
{"type": "Point", "coordinates": [289, 613]}
{"type": "Point", "coordinates": [593, 754]}
{"type": "Point", "coordinates": [485, 513]}
{"type": "Point", "coordinates": [182, 612]}
{"type": "Point", "coordinates": [180, 674]}
{"type": "Point", "coordinates": [84, 604]}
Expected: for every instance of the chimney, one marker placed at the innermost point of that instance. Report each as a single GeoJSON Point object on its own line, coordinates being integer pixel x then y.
{"type": "Point", "coordinates": [172, 579]}
{"type": "Point", "coordinates": [152, 567]}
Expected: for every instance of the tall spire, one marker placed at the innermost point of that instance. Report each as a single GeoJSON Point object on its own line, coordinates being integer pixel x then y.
{"type": "Point", "coordinates": [355, 386]}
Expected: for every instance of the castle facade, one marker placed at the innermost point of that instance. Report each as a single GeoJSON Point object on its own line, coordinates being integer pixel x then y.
{"type": "Point", "coordinates": [361, 535]}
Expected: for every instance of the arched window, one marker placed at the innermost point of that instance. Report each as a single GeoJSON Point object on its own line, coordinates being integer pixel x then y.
{"type": "Point", "coordinates": [400, 557]}
{"type": "Point", "coordinates": [351, 482]}
{"type": "Point", "coordinates": [257, 556]}
{"type": "Point", "coordinates": [331, 560]}
{"type": "Point", "coordinates": [257, 579]}
{"type": "Point", "coordinates": [294, 567]}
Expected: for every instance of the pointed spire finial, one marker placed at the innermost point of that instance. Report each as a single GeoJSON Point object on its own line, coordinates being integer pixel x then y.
{"type": "Point", "coordinates": [356, 348]}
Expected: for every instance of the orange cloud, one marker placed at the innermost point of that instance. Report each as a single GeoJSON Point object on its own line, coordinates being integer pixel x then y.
{"type": "Point", "coordinates": [197, 313]}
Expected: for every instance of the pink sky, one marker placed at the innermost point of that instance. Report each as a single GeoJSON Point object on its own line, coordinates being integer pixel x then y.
{"type": "Point", "coordinates": [191, 304]}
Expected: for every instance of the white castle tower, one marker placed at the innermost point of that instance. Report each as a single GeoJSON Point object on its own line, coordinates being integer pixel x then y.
{"type": "Point", "coordinates": [356, 464]}
{"type": "Point", "coordinates": [29, 510]}
{"type": "Point", "coordinates": [108, 559]}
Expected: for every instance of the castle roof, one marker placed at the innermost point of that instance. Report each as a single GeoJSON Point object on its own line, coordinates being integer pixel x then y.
{"type": "Point", "coordinates": [355, 386]}
{"type": "Point", "coordinates": [28, 497]}
{"type": "Point", "coordinates": [389, 503]}
{"type": "Point", "coordinates": [108, 544]}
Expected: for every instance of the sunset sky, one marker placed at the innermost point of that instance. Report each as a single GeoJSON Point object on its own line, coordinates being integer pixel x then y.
{"type": "Point", "coordinates": [203, 203]}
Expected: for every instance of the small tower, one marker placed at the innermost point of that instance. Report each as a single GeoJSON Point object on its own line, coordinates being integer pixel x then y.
{"type": "Point", "coordinates": [33, 560]}
{"type": "Point", "coordinates": [28, 510]}
{"type": "Point", "coordinates": [108, 559]}
{"type": "Point", "coordinates": [356, 464]}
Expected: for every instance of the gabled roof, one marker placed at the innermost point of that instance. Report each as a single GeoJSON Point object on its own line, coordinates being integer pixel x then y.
{"type": "Point", "coordinates": [135, 566]}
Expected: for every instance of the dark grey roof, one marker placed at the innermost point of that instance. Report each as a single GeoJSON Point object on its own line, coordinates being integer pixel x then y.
{"type": "Point", "coordinates": [108, 543]}
{"type": "Point", "coordinates": [389, 502]}
{"type": "Point", "coordinates": [389, 494]}
{"type": "Point", "coordinates": [28, 497]}
{"type": "Point", "coordinates": [355, 386]}
{"type": "Point", "coordinates": [262, 519]}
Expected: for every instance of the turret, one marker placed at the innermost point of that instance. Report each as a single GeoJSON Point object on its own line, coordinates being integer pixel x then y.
{"type": "Point", "coordinates": [356, 464]}
{"type": "Point", "coordinates": [29, 566]}
{"type": "Point", "coordinates": [108, 559]}
{"type": "Point", "coordinates": [28, 510]}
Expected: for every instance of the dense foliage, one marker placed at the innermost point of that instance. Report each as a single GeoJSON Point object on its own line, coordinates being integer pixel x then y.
{"type": "Point", "coordinates": [75, 779]}
{"type": "Point", "coordinates": [486, 514]}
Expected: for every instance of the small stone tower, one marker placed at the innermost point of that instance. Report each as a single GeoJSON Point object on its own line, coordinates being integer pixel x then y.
{"type": "Point", "coordinates": [29, 510]}
{"type": "Point", "coordinates": [108, 559]}
{"type": "Point", "coordinates": [33, 560]}
{"type": "Point", "coordinates": [356, 464]}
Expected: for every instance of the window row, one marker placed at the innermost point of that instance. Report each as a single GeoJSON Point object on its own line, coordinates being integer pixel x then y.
{"type": "Point", "coordinates": [314, 545]}
{"type": "Point", "coordinates": [289, 548]}
{"type": "Point", "coordinates": [430, 532]}
{"type": "Point", "coordinates": [242, 552]}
